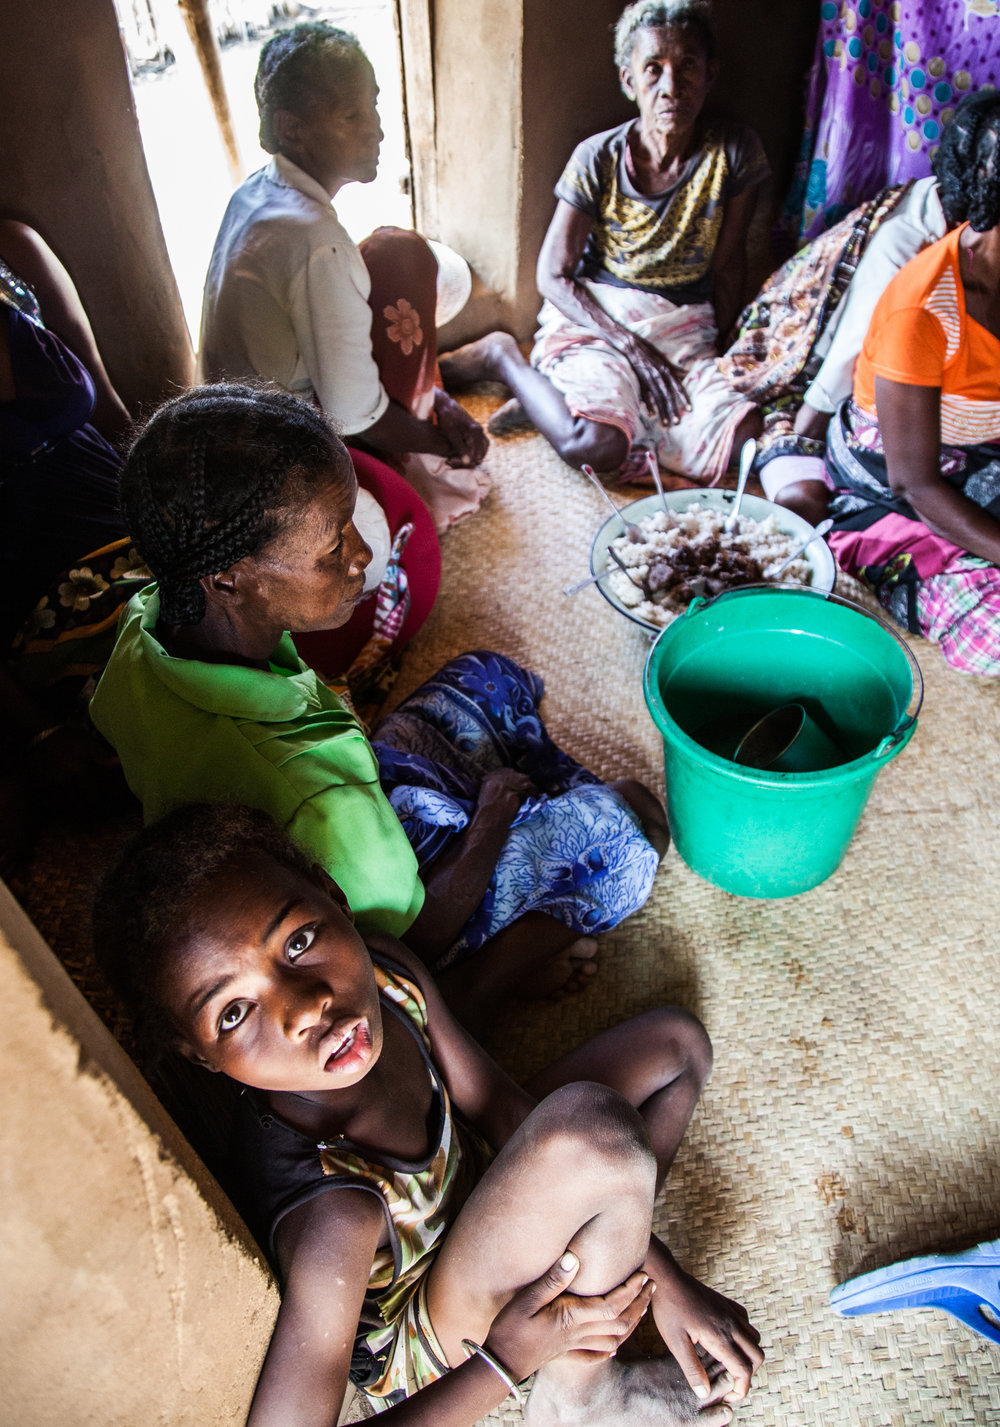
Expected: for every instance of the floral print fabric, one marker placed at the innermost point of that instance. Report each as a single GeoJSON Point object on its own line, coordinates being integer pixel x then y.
{"type": "Point", "coordinates": [886, 79]}
{"type": "Point", "coordinates": [575, 851]}
{"type": "Point", "coordinates": [598, 382]}
{"type": "Point", "coordinates": [773, 357]}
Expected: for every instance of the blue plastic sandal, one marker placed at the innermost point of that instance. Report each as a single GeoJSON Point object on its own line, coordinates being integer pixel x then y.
{"type": "Point", "coordinates": [960, 1284]}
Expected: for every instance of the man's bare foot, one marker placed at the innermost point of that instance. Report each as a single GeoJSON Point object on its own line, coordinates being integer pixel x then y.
{"type": "Point", "coordinates": [511, 419]}
{"type": "Point", "coordinates": [652, 1393]}
{"type": "Point", "coordinates": [562, 974]}
{"type": "Point", "coordinates": [648, 809]}
{"type": "Point", "coordinates": [479, 361]}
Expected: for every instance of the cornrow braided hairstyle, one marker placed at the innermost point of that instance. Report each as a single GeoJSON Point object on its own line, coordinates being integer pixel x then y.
{"type": "Point", "coordinates": [967, 163]}
{"type": "Point", "coordinates": [297, 67]}
{"type": "Point", "coordinates": [214, 476]}
{"type": "Point", "coordinates": [693, 15]}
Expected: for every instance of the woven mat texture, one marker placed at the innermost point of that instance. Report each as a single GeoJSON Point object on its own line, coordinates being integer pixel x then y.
{"type": "Point", "coordinates": [852, 1116]}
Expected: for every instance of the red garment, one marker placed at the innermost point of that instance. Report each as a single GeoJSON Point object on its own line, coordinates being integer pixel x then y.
{"type": "Point", "coordinates": [403, 300]}
{"type": "Point", "coordinates": [332, 651]}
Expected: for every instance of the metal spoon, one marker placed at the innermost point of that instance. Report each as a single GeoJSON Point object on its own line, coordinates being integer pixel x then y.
{"type": "Point", "coordinates": [631, 529]}
{"type": "Point", "coordinates": [625, 570]}
{"type": "Point", "coordinates": [732, 524]}
{"type": "Point", "coordinates": [654, 471]}
{"type": "Point", "coordinates": [820, 531]}
{"type": "Point", "coordinates": [579, 585]}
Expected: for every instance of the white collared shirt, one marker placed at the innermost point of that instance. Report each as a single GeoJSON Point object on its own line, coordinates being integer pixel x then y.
{"type": "Point", "coordinates": [286, 298]}
{"type": "Point", "coordinates": [917, 221]}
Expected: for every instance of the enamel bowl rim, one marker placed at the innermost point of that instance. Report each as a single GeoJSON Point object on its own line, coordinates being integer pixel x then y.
{"type": "Point", "coordinates": [819, 555]}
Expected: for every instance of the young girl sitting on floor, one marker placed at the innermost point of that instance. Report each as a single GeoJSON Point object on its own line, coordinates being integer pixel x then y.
{"type": "Point", "coordinates": [433, 1278]}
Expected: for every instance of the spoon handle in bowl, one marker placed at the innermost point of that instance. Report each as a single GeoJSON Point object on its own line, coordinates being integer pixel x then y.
{"type": "Point", "coordinates": [578, 585]}
{"type": "Point", "coordinates": [732, 521]}
{"type": "Point", "coordinates": [591, 475]}
{"type": "Point", "coordinates": [817, 534]}
{"type": "Point", "coordinates": [624, 568]}
{"type": "Point", "coordinates": [654, 471]}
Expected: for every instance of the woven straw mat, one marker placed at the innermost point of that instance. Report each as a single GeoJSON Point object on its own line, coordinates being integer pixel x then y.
{"type": "Point", "coordinates": [852, 1117]}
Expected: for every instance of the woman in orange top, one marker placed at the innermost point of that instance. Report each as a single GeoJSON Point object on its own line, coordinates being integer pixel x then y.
{"type": "Point", "coordinates": [915, 452]}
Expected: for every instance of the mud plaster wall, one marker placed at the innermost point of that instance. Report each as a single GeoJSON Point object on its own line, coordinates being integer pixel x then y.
{"type": "Point", "coordinates": [130, 1292]}
{"type": "Point", "coordinates": [516, 90]}
{"type": "Point", "coordinates": [74, 169]}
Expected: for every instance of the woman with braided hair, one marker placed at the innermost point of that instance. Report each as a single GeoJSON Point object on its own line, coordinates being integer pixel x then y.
{"type": "Point", "coordinates": [291, 298]}
{"type": "Point", "coordinates": [915, 451]}
{"type": "Point", "coordinates": [461, 826]}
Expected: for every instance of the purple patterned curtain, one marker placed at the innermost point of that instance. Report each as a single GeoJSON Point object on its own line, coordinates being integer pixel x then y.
{"type": "Point", "coordinates": [885, 81]}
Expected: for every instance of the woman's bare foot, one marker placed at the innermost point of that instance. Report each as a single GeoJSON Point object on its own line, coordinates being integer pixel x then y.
{"type": "Point", "coordinates": [648, 809]}
{"type": "Point", "coordinates": [511, 419]}
{"type": "Point", "coordinates": [535, 958]}
{"type": "Point", "coordinates": [562, 974]}
{"type": "Point", "coordinates": [482, 360]}
{"type": "Point", "coordinates": [641, 1394]}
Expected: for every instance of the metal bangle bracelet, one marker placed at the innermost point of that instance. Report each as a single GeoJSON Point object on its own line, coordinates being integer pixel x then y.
{"type": "Point", "coordinates": [471, 1346]}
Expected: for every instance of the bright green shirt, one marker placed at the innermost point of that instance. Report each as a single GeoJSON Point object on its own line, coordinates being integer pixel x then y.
{"type": "Point", "coordinates": [192, 732]}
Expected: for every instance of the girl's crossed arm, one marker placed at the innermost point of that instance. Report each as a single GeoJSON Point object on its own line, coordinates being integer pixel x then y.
{"type": "Point", "coordinates": [689, 1314]}
{"type": "Point", "coordinates": [326, 1248]}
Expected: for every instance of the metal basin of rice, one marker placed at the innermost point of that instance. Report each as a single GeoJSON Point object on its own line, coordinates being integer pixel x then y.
{"type": "Point", "coordinates": [823, 568]}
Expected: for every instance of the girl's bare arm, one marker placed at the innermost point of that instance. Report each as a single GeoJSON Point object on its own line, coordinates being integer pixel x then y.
{"type": "Point", "coordinates": [485, 1094]}
{"type": "Point", "coordinates": [689, 1314]}
{"type": "Point", "coordinates": [909, 419]}
{"type": "Point", "coordinates": [326, 1248]}
{"type": "Point", "coordinates": [562, 249]}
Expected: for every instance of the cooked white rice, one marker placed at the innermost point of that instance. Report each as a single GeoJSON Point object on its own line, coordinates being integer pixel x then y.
{"type": "Point", "coordinates": [761, 539]}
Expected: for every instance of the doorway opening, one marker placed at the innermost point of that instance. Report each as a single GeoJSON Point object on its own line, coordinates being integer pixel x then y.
{"type": "Point", "coordinates": [185, 153]}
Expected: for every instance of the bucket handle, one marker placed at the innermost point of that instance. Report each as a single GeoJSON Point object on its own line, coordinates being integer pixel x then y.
{"type": "Point", "coordinates": [891, 740]}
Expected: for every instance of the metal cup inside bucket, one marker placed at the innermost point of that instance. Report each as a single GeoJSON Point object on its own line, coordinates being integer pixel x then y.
{"type": "Point", "coordinates": [759, 832]}
{"type": "Point", "coordinates": [787, 740]}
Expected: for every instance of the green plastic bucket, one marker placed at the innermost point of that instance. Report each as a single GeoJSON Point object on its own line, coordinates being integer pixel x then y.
{"type": "Point", "coordinates": [727, 662]}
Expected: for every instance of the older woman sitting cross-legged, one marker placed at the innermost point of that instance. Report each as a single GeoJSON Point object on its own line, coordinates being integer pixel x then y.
{"type": "Point", "coordinates": [643, 269]}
